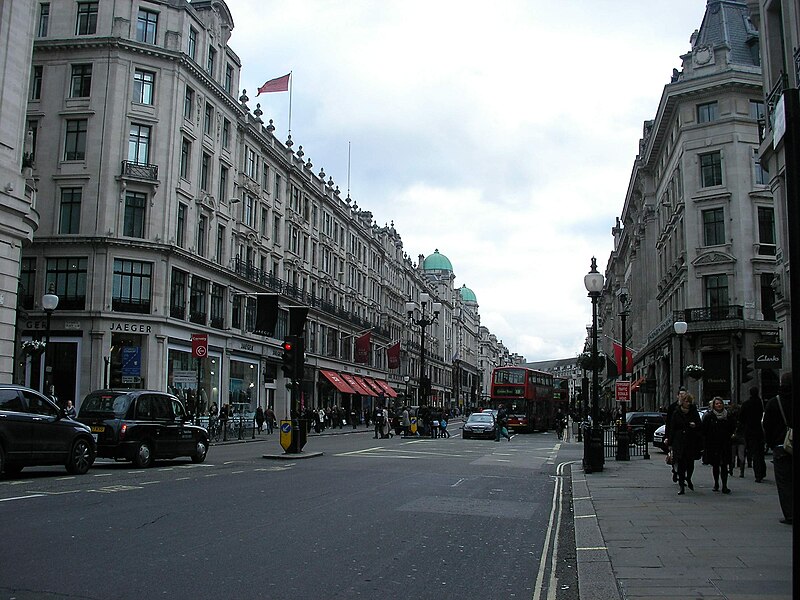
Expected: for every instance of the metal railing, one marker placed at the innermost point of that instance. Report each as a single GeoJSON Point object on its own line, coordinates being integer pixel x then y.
{"type": "Point", "coordinates": [638, 442]}
{"type": "Point", "coordinates": [139, 170]}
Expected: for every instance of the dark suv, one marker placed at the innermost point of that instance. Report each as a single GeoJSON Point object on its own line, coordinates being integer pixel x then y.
{"type": "Point", "coordinates": [641, 425]}
{"type": "Point", "coordinates": [142, 425]}
{"type": "Point", "coordinates": [34, 431]}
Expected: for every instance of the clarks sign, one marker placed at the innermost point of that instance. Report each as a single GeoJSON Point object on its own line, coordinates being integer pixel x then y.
{"type": "Point", "coordinates": [767, 356]}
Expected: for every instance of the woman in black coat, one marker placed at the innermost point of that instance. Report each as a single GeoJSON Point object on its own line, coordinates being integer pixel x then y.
{"type": "Point", "coordinates": [718, 429]}
{"type": "Point", "coordinates": [685, 439]}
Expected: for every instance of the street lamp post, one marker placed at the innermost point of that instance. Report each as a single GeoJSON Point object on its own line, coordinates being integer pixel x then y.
{"type": "Point", "coordinates": [593, 450]}
{"type": "Point", "coordinates": [49, 304]}
{"type": "Point", "coordinates": [407, 379]}
{"type": "Point", "coordinates": [680, 329]}
{"type": "Point", "coordinates": [426, 319]}
{"type": "Point", "coordinates": [623, 450]}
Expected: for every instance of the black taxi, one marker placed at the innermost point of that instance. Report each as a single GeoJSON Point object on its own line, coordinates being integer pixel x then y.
{"type": "Point", "coordinates": [141, 426]}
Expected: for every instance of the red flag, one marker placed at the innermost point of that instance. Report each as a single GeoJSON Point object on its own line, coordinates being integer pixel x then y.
{"type": "Point", "coordinates": [279, 84]}
{"type": "Point", "coordinates": [628, 358]}
{"type": "Point", "coordinates": [393, 356]}
{"type": "Point", "coordinates": [362, 348]}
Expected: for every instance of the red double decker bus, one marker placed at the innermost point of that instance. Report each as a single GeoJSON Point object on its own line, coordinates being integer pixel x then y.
{"type": "Point", "coordinates": [527, 395]}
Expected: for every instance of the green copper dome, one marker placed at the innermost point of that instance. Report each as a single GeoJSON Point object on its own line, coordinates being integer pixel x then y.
{"type": "Point", "coordinates": [467, 295]}
{"type": "Point", "coordinates": [437, 262]}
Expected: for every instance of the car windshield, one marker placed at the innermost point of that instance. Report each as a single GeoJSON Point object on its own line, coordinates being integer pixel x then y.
{"type": "Point", "coordinates": [480, 418]}
{"type": "Point", "coordinates": [105, 403]}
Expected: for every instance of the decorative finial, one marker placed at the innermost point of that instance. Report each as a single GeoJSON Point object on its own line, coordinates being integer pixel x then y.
{"type": "Point", "coordinates": [243, 98]}
{"type": "Point", "coordinates": [308, 164]}
{"type": "Point", "coordinates": [300, 152]}
{"type": "Point", "coordinates": [289, 141]}
{"type": "Point", "coordinates": [270, 127]}
{"type": "Point", "coordinates": [330, 181]}
{"type": "Point", "coordinates": [257, 112]}
{"type": "Point", "coordinates": [322, 174]}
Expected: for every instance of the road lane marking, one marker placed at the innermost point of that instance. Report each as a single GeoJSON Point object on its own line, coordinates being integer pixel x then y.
{"type": "Point", "coordinates": [101, 474]}
{"type": "Point", "coordinates": [459, 482]}
{"type": "Point", "coordinates": [64, 478]}
{"type": "Point", "coordinates": [22, 497]}
{"type": "Point", "coordinates": [149, 482]}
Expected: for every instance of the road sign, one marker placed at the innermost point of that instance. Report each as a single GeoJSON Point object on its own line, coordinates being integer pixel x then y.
{"type": "Point", "coordinates": [286, 435]}
{"type": "Point", "coordinates": [623, 391]}
{"type": "Point", "coordinates": [199, 345]}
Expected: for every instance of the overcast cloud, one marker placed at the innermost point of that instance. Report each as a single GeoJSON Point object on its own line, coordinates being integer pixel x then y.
{"type": "Point", "coordinates": [503, 137]}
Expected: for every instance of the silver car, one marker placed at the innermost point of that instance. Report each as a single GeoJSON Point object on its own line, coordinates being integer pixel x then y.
{"type": "Point", "coordinates": [479, 425]}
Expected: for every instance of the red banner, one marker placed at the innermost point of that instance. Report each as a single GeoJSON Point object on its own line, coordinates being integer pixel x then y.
{"type": "Point", "coordinates": [393, 356]}
{"type": "Point", "coordinates": [628, 359]}
{"type": "Point", "coordinates": [199, 345]}
{"type": "Point", "coordinates": [362, 348]}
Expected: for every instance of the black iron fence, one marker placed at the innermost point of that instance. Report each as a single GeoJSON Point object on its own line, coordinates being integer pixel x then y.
{"type": "Point", "coordinates": [638, 443]}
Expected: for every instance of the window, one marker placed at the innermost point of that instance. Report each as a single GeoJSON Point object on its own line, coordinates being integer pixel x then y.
{"type": "Point", "coordinates": [68, 276]}
{"type": "Point", "coordinates": [716, 290]}
{"type": "Point", "coordinates": [761, 175]}
{"type": "Point", "coordinates": [217, 306]}
{"type": "Point", "coordinates": [277, 187]}
{"type": "Point", "coordinates": [205, 171]}
{"type": "Point", "coordinates": [70, 211]}
{"type": "Point", "coordinates": [767, 297]}
{"type": "Point", "coordinates": [220, 249]}
{"type": "Point", "coordinates": [131, 286]}
{"type": "Point", "coordinates": [36, 82]}
{"type": "Point", "coordinates": [180, 234]}
{"type": "Point", "coordinates": [713, 227]}
{"type": "Point", "coordinates": [707, 112]}
{"type": "Point", "coordinates": [212, 57]}
{"type": "Point", "coordinates": [192, 49]}
{"type": "Point", "coordinates": [86, 23]}
{"type": "Point", "coordinates": [208, 121]}
{"type": "Point", "coordinates": [135, 206]}
{"type": "Point", "coordinates": [197, 301]}
{"type": "Point", "coordinates": [188, 103]}
{"type": "Point", "coordinates": [223, 184]}
{"type": "Point", "coordinates": [27, 282]}
{"type": "Point", "coordinates": [228, 82]}
{"type": "Point", "coordinates": [276, 231]}
{"type": "Point", "coordinates": [264, 216]}
{"type": "Point", "coordinates": [81, 85]}
{"type": "Point", "coordinates": [186, 153]}
{"type": "Point", "coordinates": [226, 133]}
{"type": "Point", "coordinates": [44, 19]}
{"type": "Point", "coordinates": [177, 295]}
{"type": "Point", "coordinates": [711, 169]}
{"type": "Point", "coordinates": [766, 230]}
{"type": "Point", "coordinates": [202, 235]}
{"type": "Point", "coordinates": [250, 164]}
{"type": "Point", "coordinates": [757, 110]}
{"type": "Point", "coordinates": [143, 86]}
{"type": "Point", "coordinates": [147, 26]}
{"type": "Point", "coordinates": [139, 144]}
{"type": "Point", "coordinates": [75, 142]}
{"type": "Point", "coordinates": [248, 209]}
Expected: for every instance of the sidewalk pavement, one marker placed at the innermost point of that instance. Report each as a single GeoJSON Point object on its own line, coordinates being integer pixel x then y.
{"type": "Point", "coordinates": [636, 538]}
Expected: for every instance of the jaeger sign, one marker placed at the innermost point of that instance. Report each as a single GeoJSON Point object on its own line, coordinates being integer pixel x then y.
{"type": "Point", "coordinates": [768, 356]}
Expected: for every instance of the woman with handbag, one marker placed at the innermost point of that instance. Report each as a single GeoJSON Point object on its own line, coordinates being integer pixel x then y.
{"type": "Point", "coordinates": [685, 440]}
{"type": "Point", "coordinates": [718, 429]}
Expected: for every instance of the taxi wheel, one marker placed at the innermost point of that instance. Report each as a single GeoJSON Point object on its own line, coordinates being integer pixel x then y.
{"type": "Point", "coordinates": [143, 457]}
{"type": "Point", "coordinates": [200, 451]}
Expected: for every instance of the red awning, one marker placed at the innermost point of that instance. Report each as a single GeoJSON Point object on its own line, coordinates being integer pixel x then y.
{"type": "Point", "coordinates": [636, 384]}
{"type": "Point", "coordinates": [387, 389]}
{"type": "Point", "coordinates": [337, 381]}
{"type": "Point", "coordinates": [374, 386]}
{"type": "Point", "coordinates": [354, 384]}
{"type": "Point", "coordinates": [365, 385]}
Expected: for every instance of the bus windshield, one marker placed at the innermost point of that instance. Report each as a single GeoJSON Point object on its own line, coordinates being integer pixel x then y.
{"type": "Point", "coordinates": [514, 376]}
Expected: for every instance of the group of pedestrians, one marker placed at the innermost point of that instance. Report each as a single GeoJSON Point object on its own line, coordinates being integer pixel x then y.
{"type": "Point", "coordinates": [726, 438]}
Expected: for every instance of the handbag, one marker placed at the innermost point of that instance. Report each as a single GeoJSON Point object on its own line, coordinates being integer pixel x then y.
{"type": "Point", "coordinates": [787, 439]}
{"type": "Point", "coordinates": [668, 458]}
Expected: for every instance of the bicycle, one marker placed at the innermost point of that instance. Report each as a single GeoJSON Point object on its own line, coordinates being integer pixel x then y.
{"type": "Point", "coordinates": [214, 429]}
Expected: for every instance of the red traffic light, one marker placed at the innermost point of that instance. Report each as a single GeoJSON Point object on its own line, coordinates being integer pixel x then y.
{"type": "Point", "coordinates": [287, 346]}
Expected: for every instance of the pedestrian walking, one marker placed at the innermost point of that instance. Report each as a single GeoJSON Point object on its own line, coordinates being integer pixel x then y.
{"type": "Point", "coordinates": [260, 418]}
{"type": "Point", "coordinates": [750, 427]}
{"type": "Point", "coordinates": [443, 428]}
{"type": "Point", "coordinates": [502, 424]}
{"type": "Point", "coordinates": [718, 431]}
{"type": "Point", "coordinates": [405, 422]}
{"type": "Point", "coordinates": [685, 440]}
{"type": "Point", "coordinates": [667, 427]}
{"type": "Point", "coordinates": [269, 419]}
{"type": "Point", "coordinates": [377, 419]}
{"type": "Point", "coordinates": [777, 419]}
{"type": "Point", "coordinates": [737, 441]}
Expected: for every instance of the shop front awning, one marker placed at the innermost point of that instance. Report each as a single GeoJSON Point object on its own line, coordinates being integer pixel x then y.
{"type": "Point", "coordinates": [367, 388]}
{"type": "Point", "coordinates": [373, 385]}
{"type": "Point", "coordinates": [357, 387]}
{"type": "Point", "coordinates": [387, 389]}
{"type": "Point", "coordinates": [337, 382]}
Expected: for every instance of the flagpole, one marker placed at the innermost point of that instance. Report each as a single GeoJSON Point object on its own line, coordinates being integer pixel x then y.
{"type": "Point", "coordinates": [291, 80]}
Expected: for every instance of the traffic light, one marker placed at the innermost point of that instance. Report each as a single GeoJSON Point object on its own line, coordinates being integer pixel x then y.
{"type": "Point", "coordinates": [299, 357]}
{"type": "Point", "coordinates": [289, 356]}
{"type": "Point", "coordinates": [747, 370]}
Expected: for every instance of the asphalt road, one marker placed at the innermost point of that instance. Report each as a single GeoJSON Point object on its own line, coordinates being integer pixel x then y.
{"type": "Point", "coordinates": [416, 518]}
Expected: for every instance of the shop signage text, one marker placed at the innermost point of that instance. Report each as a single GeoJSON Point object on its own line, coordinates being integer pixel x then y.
{"type": "Point", "coordinates": [131, 327]}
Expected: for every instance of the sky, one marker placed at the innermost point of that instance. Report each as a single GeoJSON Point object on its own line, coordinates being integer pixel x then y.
{"type": "Point", "coordinates": [502, 134]}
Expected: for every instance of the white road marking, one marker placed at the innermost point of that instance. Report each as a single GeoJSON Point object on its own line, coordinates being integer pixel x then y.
{"type": "Point", "coordinates": [22, 497]}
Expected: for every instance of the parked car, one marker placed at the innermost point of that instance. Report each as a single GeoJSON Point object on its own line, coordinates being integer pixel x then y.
{"type": "Point", "coordinates": [141, 426]}
{"type": "Point", "coordinates": [642, 425]}
{"type": "Point", "coordinates": [661, 433]}
{"type": "Point", "coordinates": [35, 431]}
{"type": "Point", "coordinates": [478, 425]}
